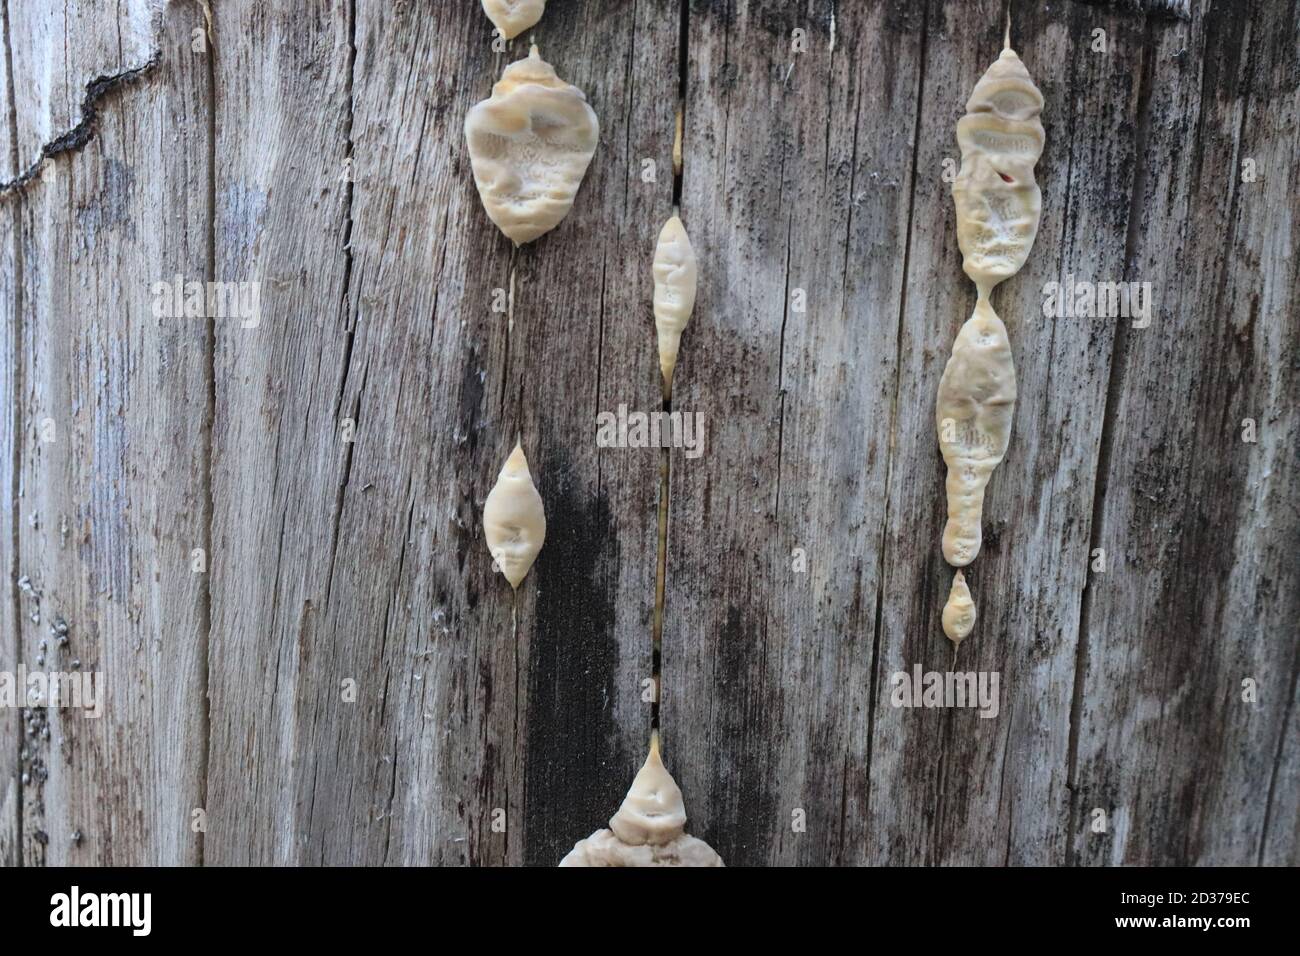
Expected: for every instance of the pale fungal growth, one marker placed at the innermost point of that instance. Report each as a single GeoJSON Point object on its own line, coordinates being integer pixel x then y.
{"type": "Point", "coordinates": [648, 829]}
{"type": "Point", "coordinates": [998, 205]}
{"type": "Point", "coordinates": [998, 201]}
{"type": "Point", "coordinates": [513, 520]}
{"type": "Point", "coordinates": [530, 144]}
{"type": "Point", "coordinates": [959, 612]}
{"type": "Point", "coordinates": [513, 17]}
{"type": "Point", "coordinates": [675, 279]}
{"type": "Point", "coordinates": [977, 395]}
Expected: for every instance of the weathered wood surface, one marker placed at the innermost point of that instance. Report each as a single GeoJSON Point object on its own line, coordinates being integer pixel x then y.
{"type": "Point", "coordinates": [957, 787]}
{"type": "Point", "coordinates": [331, 461]}
{"type": "Point", "coordinates": [1201, 525]}
{"type": "Point", "coordinates": [10, 722]}
{"type": "Point", "coordinates": [111, 407]}
{"type": "Point", "coordinates": [365, 560]}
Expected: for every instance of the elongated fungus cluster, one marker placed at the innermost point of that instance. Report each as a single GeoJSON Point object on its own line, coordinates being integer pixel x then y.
{"type": "Point", "coordinates": [998, 205]}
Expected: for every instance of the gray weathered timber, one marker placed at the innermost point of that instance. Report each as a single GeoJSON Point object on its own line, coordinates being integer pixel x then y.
{"type": "Point", "coordinates": [944, 786]}
{"type": "Point", "coordinates": [1200, 525]}
{"type": "Point", "coordinates": [111, 495]}
{"type": "Point", "coordinates": [583, 342]}
{"type": "Point", "coordinates": [370, 565]}
{"type": "Point", "coordinates": [10, 718]}
{"type": "Point", "coordinates": [792, 359]}
{"type": "Point", "coordinates": [956, 787]}
{"type": "Point", "coordinates": [344, 679]}
{"type": "Point", "coordinates": [281, 216]}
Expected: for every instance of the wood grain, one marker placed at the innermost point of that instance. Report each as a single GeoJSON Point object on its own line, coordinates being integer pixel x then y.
{"type": "Point", "coordinates": [585, 290]}
{"type": "Point", "coordinates": [791, 358]}
{"type": "Point", "coordinates": [331, 460]}
{"type": "Point", "coordinates": [963, 788]}
{"type": "Point", "coordinates": [1201, 526]}
{"type": "Point", "coordinates": [110, 494]}
{"type": "Point", "coordinates": [378, 308]}
{"type": "Point", "coordinates": [281, 215]}
{"type": "Point", "coordinates": [10, 462]}
{"type": "Point", "coordinates": [60, 54]}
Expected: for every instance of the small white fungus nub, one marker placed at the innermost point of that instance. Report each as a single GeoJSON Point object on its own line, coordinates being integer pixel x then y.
{"type": "Point", "coordinates": [514, 522]}
{"type": "Point", "coordinates": [676, 276]}
{"type": "Point", "coordinates": [513, 17]}
{"type": "Point", "coordinates": [959, 612]}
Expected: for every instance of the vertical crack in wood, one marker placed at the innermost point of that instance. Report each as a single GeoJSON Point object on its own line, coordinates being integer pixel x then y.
{"type": "Point", "coordinates": [1218, 309]}
{"type": "Point", "coordinates": [661, 582]}
{"type": "Point", "coordinates": [16, 421]}
{"type": "Point", "coordinates": [1077, 18]}
{"type": "Point", "coordinates": [830, 86]}
{"type": "Point", "coordinates": [1002, 787]}
{"type": "Point", "coordinates": [510, 325]}
{"type": "Point", "coordinates": [780, 366]}
{"type": "Point", "coordinates": [874, 693]}
{"type": "Point", "coordinates": [600, 358]}
{"type": "Point", "coordinates": [679, 122]}
{"type": "Point", "coordinates": [517, 740]}
{"type": "Point", "coordinates": [844, 285]}
{"type": "Point", "coordinates": [665, 459]}
{"type": "Point", "coordinates": [345, 305]}
{"type": "Point", "coordinates": [210, 419]}
{"type": "Point", "coordinates": [1244, 83]}
{"type": "Point", "coordinates": [1115, 385]}
{"type": "Point", "coordinates": [1277, 761]}
{"type": "Point", "coordinates": [629, 79]}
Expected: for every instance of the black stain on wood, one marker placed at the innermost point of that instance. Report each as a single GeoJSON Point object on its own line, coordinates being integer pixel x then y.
{"type": "Point", "coordinates": [576, 772]}
{"type": "Point", "coordinates": [1189, 527]}
{"type": "Point", "coordinates": [743, 732]}
{"type": "Point", "coordinates": [907, 17]}
{"type": "Point", "coordinates": [470, 406]}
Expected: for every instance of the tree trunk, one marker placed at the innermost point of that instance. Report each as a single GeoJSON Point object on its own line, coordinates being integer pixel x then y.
{"type": "Point", "coordinates": [262, 528]}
